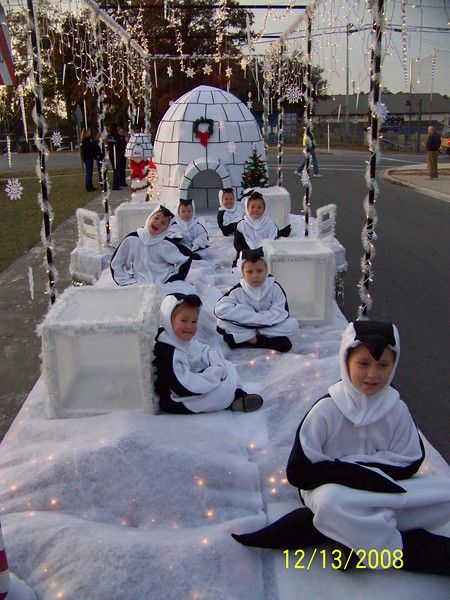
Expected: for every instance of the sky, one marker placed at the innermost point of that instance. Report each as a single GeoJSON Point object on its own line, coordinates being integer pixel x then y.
{"type": "Point", "coordinates": [400, 51]}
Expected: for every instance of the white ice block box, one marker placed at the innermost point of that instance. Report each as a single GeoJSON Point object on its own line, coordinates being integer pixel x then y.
{"type": "Point", "coordinates": [97, 350]}
{"type": "Point", "coordinates": [305, 269]}
{"type": "Point", "coordinates": [129, 216]}
{"type": "Point", "coordinates": [278, 205]}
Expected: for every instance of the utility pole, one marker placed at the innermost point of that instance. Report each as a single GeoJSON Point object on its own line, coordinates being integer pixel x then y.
{"type": "Point", "coordinates": [347, 81]}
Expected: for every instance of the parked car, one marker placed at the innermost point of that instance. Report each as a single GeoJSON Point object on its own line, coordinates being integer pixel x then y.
{"type": "Point", "coordinates": [445, 141]}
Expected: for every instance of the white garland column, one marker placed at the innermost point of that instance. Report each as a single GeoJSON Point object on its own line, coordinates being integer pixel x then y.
{"type": "Point", "coordinates": [101, 125]}
{"type": "Point", "coordinates": [147, 98]}
{"type": "Point", "coordinates": [280, 114]}
{"type": "Point", "coordinates": [306, 180]}
{"type": "Point", "coordinates": [41, 167]}
{"type": "Point", "coordinates": [376, 114]}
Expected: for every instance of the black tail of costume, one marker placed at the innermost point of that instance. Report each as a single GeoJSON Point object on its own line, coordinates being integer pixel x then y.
{"type": "Point", "coordinates": [425, 552]}
{"type": "Point", "coordinates": [294, 530]}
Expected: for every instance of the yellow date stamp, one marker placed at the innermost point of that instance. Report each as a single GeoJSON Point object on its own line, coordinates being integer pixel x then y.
{"type": "Point", "coordinates": [336, 559]}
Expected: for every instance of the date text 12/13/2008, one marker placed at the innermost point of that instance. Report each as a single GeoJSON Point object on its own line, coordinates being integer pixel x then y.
{"type": "Point", "coordinates": [339, 560]}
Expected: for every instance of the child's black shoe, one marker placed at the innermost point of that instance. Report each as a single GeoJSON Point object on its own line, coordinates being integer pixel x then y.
{"type": "Point", "coordinates": [280, 343]}
{"type": "Point", "coordinates": [247, 403]}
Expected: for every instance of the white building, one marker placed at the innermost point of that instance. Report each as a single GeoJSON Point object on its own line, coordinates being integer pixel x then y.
{"type": "Point", "coordinates": [189, 169]}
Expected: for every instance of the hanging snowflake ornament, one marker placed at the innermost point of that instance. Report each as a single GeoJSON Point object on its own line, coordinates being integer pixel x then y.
{"type": "Point", "coordinates": [305, 178]}
{"type": "Point", "coordinates": [207, 70]}
{"type": "Point", "coordinates": [190, 72]}
{"type": "Point", "coordinates": [231, 147]}
{"type": "Point", "coordinates": [56, 139]}
{"type": "Point", "coordinates": [228, 72]}
{"type": "Point", "coordinates": [14, 189]}
{"type": "Point", "coordinates": [90, 83]}
{"type": "Point", "coordinates": [381, 112]}
{"type": "Point", "coordinates": [292, 94]}
{"type": "Point", "coordinates": [169, 71]}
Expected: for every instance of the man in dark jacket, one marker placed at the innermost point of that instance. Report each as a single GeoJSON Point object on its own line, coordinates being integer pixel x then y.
{"type": "Point", "coordinates": [432, 146]}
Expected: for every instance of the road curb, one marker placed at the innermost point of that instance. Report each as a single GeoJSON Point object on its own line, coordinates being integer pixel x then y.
{"type": "Point", "coordinates": [388, 176]}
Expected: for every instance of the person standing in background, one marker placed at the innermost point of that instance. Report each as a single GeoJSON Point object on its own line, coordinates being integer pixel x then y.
{"type": "Point", "coordinates": [88, 155]}
{"type": "Point", "coordinates": [432, 146]}
{"type": "Point", "coordinates": [121, 158]}
{"type": "Point", "coordinates": [311, 147]}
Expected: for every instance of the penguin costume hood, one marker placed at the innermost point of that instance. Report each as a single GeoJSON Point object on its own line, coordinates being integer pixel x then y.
{"type": "Point", "coordinates": [181, 223]}
{"type": "Point", "coordinates": [233, 214]}
{"type": "Point", "coordinates": [145, 236]}
{"type": "Point", "coordinates": [168, 305]}
{"type": "Point", "coordinates": [256, 293]}
{"type": "Point", "coordinates": [360, 409]}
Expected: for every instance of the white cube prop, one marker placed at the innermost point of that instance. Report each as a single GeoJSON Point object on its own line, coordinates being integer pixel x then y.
{"type": "Point", "coordinates": [97, 350]}
{"type": "Point", "coordinates": [129, 216]}
{"type": "Point", "coordinates": [278, 205]}
{"type": "Point", "coordinates": [305, 269]}
{"type": "Point", "coordinates": [90, 256]}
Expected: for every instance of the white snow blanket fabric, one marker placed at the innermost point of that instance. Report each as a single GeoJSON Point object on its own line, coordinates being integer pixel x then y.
{"type": "Point", "coordinates": [138, 506]}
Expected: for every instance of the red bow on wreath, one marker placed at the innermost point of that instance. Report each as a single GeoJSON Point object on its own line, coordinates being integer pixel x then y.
{"type": "Point", "coordinates": [137, 169]}
{"type": "Point", "coordinates": [203, 135]}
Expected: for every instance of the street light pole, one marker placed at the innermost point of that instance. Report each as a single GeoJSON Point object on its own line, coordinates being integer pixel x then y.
{"type": "Point", "coordinates": [347, 82]}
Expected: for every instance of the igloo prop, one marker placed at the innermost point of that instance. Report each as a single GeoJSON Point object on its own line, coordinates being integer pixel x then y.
{"type": "Point", "coordinates": [201, 145]}
{"type": "Point", "coordinates": [305, 269]}
{"type": "Point", "coordinates": [97, 350]}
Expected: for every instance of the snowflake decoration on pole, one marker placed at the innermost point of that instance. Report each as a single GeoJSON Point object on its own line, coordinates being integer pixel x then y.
{"type": "Point", "coordinates": [90, 83]}
{"type": "Point", "coordinates": [14, 189]}
{"type": "Point", "coordinates": [231, 147]}
{"type": "Point", "coordinates": [292, 94]}
{"type": "Point", "coordinates": [381, 112]}
{"type": "Point", "coordinates": [190, 72]}
{"type": "Point", "coordinates": [207, 70]}
{"type": "Point", "coordinates": [56, 139]}
{"type": "Point", "coordinates": [169, 71]}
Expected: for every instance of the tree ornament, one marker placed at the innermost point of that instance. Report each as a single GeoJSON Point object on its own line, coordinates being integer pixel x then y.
{"type": "Point", "coordinates": [203, 134]}
{"type": "Point", "coordinates": [14, 189]}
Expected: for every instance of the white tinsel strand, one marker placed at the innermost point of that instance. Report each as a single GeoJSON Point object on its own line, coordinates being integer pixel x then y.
{"type": "Point", "coordinates": [24, 116]}
{"type": "Point", "coordinates": [280, 107]}
{"type": "Point", "coordinates": [266, 103]}
{"type": "Point", "coordinates": [8, 150]}
{"type": "Point", "coordinates": [31, 282]}
{"type": "Point", "coordinates": [147, 99]}
{"type": "Point", "coordinates": [41, 129]}
{"type": "Point", "coordinates": [308, 121]}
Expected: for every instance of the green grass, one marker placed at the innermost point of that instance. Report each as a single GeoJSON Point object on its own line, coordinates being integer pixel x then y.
{"type": "Point", "coordinates": [21, 220]}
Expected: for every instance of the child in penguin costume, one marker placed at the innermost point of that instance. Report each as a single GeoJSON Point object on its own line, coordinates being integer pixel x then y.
{"type": "Point", "coordinates": [192, 377]}
{"type": "Point", "coordinates": [230, 212]}
{"type": "Point", "coordinates": [355, 461]}
{"type": "Point", "coordinates": [255, 225]}
{"type": "Point", "coordinates": [187, 228]}
{"type": "Point", "coordinates": [255, 312]}
{"type": "Point", "coordinates": [149, 256]}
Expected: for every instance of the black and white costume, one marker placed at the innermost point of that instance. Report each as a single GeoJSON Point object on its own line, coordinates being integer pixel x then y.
{"type": "Point", "coordinates": [228, 218]}
{"type": "Point", "coordinates": [246, 311]}
{"type": "Point", "coordinates": [144, 258]}
{"type": "Point", "coordinates": [355, 459]}
{"type": "Point", "coordinates": [190, 233]}
{"type": "Point", "coordinates": [191, 377]}
{"type": "Point", "coordinates": [251, 232]}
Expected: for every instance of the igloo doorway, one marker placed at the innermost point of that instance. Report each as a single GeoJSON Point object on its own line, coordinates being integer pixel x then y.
{"type": "Point", "coordinates": [202, 180]}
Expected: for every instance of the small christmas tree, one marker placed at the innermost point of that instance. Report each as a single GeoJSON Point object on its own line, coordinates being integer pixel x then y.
{"type": "Point", "coordinates": [255, 172]}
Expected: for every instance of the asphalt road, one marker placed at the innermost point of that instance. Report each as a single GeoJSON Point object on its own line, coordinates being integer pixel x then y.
{"type": "Point", "coordinates": [411, 273]}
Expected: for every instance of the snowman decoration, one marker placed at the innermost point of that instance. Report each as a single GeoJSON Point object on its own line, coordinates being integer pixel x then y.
{"type": "Point", "coordinates": [139, 150]}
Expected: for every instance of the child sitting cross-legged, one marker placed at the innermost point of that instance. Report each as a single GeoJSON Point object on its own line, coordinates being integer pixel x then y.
{"type": "Point", "coordinates": [148, 256]}
{"type": "Point", "coordinates": [255, 312]}
{"type": "Point", "coordinates": [230, 211]}
{"type": "Point", "coordinates": [192, 377]}
{"type": "Point", "coordinates": [188, 229]}
{"type": "Point", "coordinates": [255, 226]}
{"type": "Point", "coordinates": [355, 461]}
